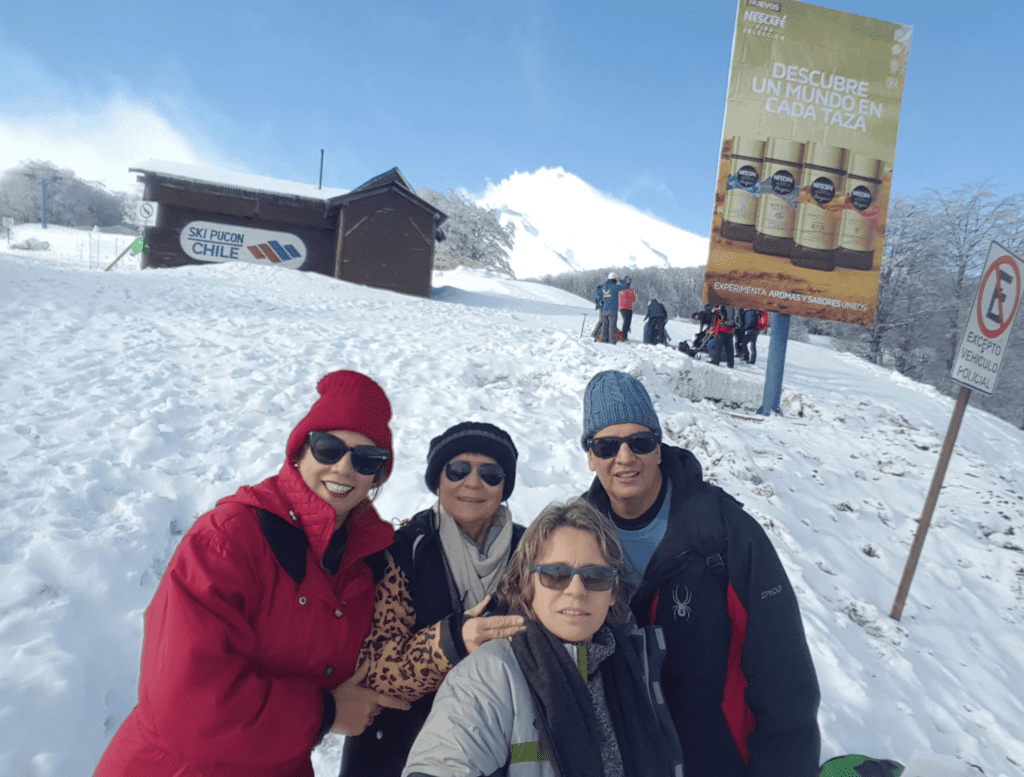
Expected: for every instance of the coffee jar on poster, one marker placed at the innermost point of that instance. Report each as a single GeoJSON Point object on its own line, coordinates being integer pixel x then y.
{"type": "Point", "coordinates": [859, 223]}
{"type": "Point", "coordinates": [741, 196]}
{"type": "Point", "coordinates": [779, 196]}
{"type": "Point", "coordinates": [816, 235]}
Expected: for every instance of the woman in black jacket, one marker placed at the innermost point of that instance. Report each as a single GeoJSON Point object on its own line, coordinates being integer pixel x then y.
{"type": "Point", "coordinates": [450, 558]}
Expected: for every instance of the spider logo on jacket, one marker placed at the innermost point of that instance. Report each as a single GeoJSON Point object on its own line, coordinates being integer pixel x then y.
{"type": "Point", "coordinates": [681, 608]}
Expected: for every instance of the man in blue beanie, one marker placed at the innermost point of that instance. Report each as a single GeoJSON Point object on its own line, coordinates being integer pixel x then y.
{"type": "Point", "coordinates": [738, 676]}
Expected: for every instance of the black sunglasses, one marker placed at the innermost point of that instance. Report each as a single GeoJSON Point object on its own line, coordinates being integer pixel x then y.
{"type": "Point", "coordinates": [328, 449]}
{"type": "Point", "coordinates": [558, 576]}
{"type": "Point", "coordinates": [640, 443]}
{"type": "Point", "coordinates": [457, 469]}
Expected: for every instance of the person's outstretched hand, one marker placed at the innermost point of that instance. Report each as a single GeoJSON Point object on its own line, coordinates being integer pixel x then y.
{"type": "Point", "coordinates": [356, 707]}
{"type": "Point", "coordinates": [476, 630]}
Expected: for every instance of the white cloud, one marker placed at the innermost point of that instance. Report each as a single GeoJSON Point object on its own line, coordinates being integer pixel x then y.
{"type": "Point", "coordinates": [645, 185]}
{"type": "Point", "coordinates": [92, 125]}
{"type": "Point", "coordinates": [99, 144]}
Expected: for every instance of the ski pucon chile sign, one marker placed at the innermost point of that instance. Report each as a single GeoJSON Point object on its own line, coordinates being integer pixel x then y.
{"type": "Point", "coordinates": [207, 241]}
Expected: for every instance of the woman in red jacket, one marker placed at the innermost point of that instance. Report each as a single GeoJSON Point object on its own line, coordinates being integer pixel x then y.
{"type": "Point", "coordinates": [722, 331]}
{"type": "Point", "coordinates": [251, 641]}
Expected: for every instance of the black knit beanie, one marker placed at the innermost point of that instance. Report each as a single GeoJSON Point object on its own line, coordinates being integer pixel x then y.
{"type": "Point", "coordinates": [472, 437]}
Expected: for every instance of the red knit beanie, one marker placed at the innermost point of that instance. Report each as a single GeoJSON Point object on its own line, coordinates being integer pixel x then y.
{"type": "Point", "coordinates": [349, 401]}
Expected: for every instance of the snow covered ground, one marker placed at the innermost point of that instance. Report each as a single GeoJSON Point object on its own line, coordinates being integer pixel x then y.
{"type": "Point", "coordinates": [133, 400]}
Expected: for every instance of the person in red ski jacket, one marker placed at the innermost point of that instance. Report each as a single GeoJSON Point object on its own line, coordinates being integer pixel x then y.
{"type": "Point", "coordinates": [627, 299]}
{"type": "Point", "coordinates": [250, 645]}
{"type": "Point", "coordinates": [721, 329]}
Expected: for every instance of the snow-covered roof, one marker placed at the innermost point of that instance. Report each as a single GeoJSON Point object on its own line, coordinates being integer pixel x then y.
{"type": "Point", "coordinates": [234, 180]}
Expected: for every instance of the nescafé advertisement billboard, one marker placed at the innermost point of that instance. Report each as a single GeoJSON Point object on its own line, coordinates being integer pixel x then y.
{"type": "Point", "coordinates": [806, 161]}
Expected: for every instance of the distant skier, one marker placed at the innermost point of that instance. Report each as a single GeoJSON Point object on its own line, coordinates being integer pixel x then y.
{"type": "Point", "coordinates": [740, 333]}
{"type": "Point", "coordinates": [627, 299]}
{"type": "Point", "coordinates": [752, 321]}
{"type": "Point", "coordinates": [610, 307]}
{"type": "Point", "coordinates": [722, 330]}
{"type": "Point", "coordinates": [594, 335]}
{"type": "Point", "coordinates": [705, 318]}
{"type": "Point", "coordinates": [654, 330]}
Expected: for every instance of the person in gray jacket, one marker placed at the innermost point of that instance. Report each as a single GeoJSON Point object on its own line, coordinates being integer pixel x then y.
{"type": "Point", "coordinates": [578, 693]}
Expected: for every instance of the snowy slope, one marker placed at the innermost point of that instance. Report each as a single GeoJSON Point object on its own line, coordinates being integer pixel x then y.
{"type": "Point", "coordinates": [133, 400]}
{"type": "Point", "coordinates": [563, 224]}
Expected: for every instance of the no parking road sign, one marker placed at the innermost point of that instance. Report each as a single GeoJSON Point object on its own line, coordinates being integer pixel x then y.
{"type": "Point", "coordinates": [146, 213]}
{"type": "Point", "coordinates": [976, 366]}
{"type": "Point", "coordinates": [988, 325]}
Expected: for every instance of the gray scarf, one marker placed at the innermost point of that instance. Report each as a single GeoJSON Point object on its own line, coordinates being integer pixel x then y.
{"type": "Point", "coordinates": [475, 575]}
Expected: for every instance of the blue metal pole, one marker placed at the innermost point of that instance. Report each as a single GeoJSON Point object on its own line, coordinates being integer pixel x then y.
{"type": "Point", "coordinates": [776, 365]}
{"type": "Point", "coordinates": [45, 205]}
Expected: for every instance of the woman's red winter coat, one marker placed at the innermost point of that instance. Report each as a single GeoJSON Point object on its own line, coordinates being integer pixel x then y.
{"type": "Point", "coordinates": [720, 327]}
{"type": "Point", "coordinates": [235, 651]}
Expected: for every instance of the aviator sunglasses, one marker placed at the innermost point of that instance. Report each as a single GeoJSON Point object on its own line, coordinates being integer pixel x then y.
{"type": "Point", "coordinates": [607, 447]}
{"type": "Point", "coordinates": [328, 449]}
{"type": "Point", "coordinates": [558, 576]}
{"type": "Point", "coordinates": [457, 469]}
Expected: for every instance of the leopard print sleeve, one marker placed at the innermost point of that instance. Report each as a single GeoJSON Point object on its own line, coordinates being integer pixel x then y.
{"type": "Point", "coordinates": [403, 663]}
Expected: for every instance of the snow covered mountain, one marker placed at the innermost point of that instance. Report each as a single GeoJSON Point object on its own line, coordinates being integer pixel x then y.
{"type": "Point", "coordinates": [563, 225]}
{"type": "Point", "coordinates": [133, 400]}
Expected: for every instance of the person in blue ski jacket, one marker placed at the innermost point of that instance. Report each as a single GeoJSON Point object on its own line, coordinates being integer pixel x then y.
{"type": "Point", "coordinates": [738, 676]}
{"type": "Point", "coordinates": [610, 307]}
{"type": "Point", "coordinates": [654, 329]}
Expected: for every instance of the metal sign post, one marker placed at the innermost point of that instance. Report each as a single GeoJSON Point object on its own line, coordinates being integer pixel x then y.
{"type": "Point", "coordinates": [772, 394]}
{"type": "Point", "coordinates": [929, 503]}
{"type": "Point", "coordinates": [976, 367]}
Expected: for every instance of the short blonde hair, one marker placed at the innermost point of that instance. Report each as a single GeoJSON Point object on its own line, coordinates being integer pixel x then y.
{"type": "Point", "coordinates": [516, 587]}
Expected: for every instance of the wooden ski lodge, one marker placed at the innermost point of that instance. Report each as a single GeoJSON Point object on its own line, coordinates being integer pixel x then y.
{"type": "Point", "coordinates": [379, 234]}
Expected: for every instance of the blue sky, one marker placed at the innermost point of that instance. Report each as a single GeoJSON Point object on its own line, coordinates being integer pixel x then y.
{"type": "Point", "coordinates": [628, 96]}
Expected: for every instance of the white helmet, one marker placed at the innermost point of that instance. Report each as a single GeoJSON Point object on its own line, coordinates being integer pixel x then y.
{"type": "Point", "coordinates": [612, 276]}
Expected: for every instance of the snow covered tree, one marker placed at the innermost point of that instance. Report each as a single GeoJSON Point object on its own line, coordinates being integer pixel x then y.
{"type": "Point", "coordinates": [962, 224]}
{"type": "Point", "coordinates": [903, 294]}
{"type": "Point", "coordinates": [72, 201]}
{"type": "Point", "coordinates": [130, 209]}
{"type": "Point", "coordinates": [474, 235]}
{"type": "Point", "coordinates": [935, 247]}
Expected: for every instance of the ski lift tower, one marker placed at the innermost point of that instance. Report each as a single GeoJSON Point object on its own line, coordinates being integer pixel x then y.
{"type": "Point", "coordinates": [45, 178]}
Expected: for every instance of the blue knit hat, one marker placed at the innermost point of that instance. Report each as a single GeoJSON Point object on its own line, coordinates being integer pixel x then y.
{"type": "Point", "coordinates": [616, 398]}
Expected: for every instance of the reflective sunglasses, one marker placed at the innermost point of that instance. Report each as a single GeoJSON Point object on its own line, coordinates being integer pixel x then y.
{"type": "Point", "coordinates": [457, 469]}
{"type": "Point", "coordinates": [328, 449]}
{"type": "Point", "coordinates": [558, 576]}
{"type": "Point", "coordinates": [607, 447]}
